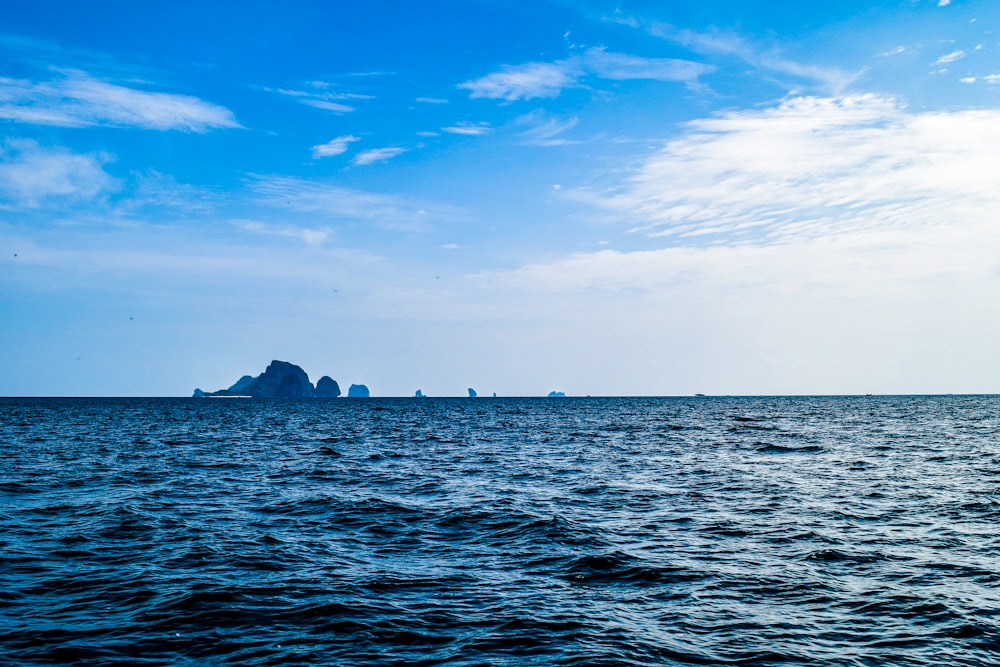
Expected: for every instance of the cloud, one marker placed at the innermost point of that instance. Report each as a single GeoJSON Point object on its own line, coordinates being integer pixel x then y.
{"type": "Point", "coordinates": [524, 82]}
{"type": "Point", "coordinates": [31, 176]}
{"type": "Point", "coordinates": [814, 168]}
{"type": "Point", "coordinates": [950, 57]}
{"type": "Point", "coordinates": [944, 3]}
{"type": "Point", "coordinates": [619, 66]}
{"type": "Point", "coordinates": [320, 96]}
{"type": "Point", "coordinates": [333, 147]}
{"type": "Point", "coordinates": [715, 42]}
{"type": "Point", "coordinates": [78, 100]}
{"type": "Point", "coordinates": [468, 129]}
{"type": "Point", "coordinates": [432, 100]}
{"type": "Point", "coordinates": [322, 199]}
{"type": "Point", "coordinates": [543, 130]}
{"type": "Point", "coordinates": [309, 236]}
{"type": "Point", "coordinates": [892, 52]}
{"type": "Point", "coordinates": [377, 155]}
{"type": "Point", "coordinates": [541, 80]}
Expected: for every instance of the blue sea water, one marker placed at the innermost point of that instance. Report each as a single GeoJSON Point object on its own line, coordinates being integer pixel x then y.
{"type": "Point", "coordinates": [604, 531]}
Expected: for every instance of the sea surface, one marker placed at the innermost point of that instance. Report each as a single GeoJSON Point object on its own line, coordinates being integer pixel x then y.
{"type": "Point", "coordinates": [577, 531]}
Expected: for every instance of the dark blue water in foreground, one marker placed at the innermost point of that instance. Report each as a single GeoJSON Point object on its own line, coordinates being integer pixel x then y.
{"type": "Point", "coordinates": [745, 531]}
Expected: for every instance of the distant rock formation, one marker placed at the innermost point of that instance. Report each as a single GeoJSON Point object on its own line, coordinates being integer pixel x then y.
{"type": "Point", "coordinates": [327, 387]}
{"type": "Point", "coordinates": [241, 384]}
{"type": "Point", "coordinates": [419, 394]}
{"type": "Point", "coordinates": [557, 394]}
{"type": "Point", "coordinates": [281, 379]}
{"type": "Point", "coordinates": [358, 391]}
{"type": "Point", "coordinates": [472, 392]}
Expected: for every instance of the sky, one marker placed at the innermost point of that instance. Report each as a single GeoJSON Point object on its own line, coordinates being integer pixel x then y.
{"type": "Point", "coordinates": [599, 198]}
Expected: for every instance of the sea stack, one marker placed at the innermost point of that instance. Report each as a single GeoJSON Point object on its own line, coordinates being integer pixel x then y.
{"type": "Point", "coordinates": [327, 387]}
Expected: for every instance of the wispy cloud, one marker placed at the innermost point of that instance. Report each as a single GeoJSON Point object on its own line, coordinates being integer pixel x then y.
{"type": "Point", "coordinates": [432, 100]}
{"type": "Point", "coordinates": [338, 204]}
{"type": "Point", "coordinates": [544, 130]}
{"type": "Point", "coordinates": [308, 235]}
{"type": "Point", "coordinates": [950, 57]}
{"type": "Point", "coordinates": [377, 155]}
{"type": "Point", "coordinates": [31, 176]}
{"type": "Point", "coordinates": [75, 99]}
{"type": "Point", "coordinates": [620, 66]}
{"type": "Point", "coordinates": [334, 146]}
{"type": "Point", "coordinates": [524, 82]}
{"type": "Point", "coordinates": [322, 95]}
{"type": "Point", "coordinates": [832, 79]}
{"type": "Point", "coordinates": [468, 129]}
{"type": "Point", "coordinates": [815, 167]}
{"type": "Point", "coordinates": [541, 80]}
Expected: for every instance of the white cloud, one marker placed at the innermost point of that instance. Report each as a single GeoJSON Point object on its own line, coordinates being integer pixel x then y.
{"type": "Point", "coordinates": [831, 79]}
{"type": "Point", "coordinates": [320, 96]}
{"type": "Point", "coordinates": [468, 129]}
{"type": "Point", "coordinates": [893, 52]}
{"type": "Point", "coordinates": [524, 82]}
{"type": "Point", "coordinates": [309, 236]}
{"type": "Point", "coordinates": [432, 100]}
{"type": "Point", "coordinates": [534, 80]}
{"type": "Point", "coordinates": [377, 155]}
{"type": "Point", "coordinates": [32, 176]}
{"type": "Point", "coordinates": [543, 130]}
{"type": "Point", "coordinates": [78, 100]}
{"type": "Point", "coordinates": [816, 167]}
{"type": "Point", "coordinates": [824, 245]}
{"type": "Point", "coordinates": [619, 66]}
{"type": "Point", "coordinates": [319, 198]}
{"type": "Point", "coordinates": [992, 79]}
{"type": "Point", "coordinates": [334, 146]}
{"type": "Point", "coordinates": [950, 57]}
{"type": "Point", "coordinates": [944, 3]}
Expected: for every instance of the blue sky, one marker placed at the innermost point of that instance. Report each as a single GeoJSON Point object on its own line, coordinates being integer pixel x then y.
{"type": "Point", "coordinates": [601, 198]}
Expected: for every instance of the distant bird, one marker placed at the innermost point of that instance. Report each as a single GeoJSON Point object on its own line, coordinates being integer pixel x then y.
{"type": "Point", "coordinates": [130, 318]}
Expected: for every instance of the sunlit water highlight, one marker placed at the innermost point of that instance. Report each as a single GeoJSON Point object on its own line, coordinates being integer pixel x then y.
{"type": "Point", "coordinates": [718, 531]}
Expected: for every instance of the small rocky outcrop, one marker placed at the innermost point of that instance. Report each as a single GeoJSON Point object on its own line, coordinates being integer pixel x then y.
{"type": "Point", "coordinates": [327, 387]}
{"type": "Point", "coordinates": [419, 394]}
{"type": "Point", "coordinates": [472, 393]}
{"type": "Point", "coordinates": [358, 391]}
{"type": "Point", "coordinates": [557, 394]}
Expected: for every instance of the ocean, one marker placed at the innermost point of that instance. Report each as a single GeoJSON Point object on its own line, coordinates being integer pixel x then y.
{"type": "Point", "coordinates": [575, 531]}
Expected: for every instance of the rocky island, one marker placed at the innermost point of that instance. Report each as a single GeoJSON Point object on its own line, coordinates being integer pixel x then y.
{"type": "Point", "coordinates": [280, 379]}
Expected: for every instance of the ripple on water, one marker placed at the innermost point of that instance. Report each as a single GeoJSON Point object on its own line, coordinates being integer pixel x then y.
{"type": "Point", "coordinates": [747, 531]}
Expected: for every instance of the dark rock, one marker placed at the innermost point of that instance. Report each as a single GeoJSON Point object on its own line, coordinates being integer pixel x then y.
{"type": "Point", "coordinates": [327, 387]}
{"type": "Point", "coordinates": [358, 391]}
{"type": "Point", "coordinates": [556, 394]}
{"type": "Point", "coordinates": [281, 380]}
{"type": "Point", "coordinates": [241, 384]}
{"type": "Point", "coordinates": [419, 394]}
{"type": "Point", "coordinates": [198, 393]}
{"type": "Point", "coordinates": [472, 392]}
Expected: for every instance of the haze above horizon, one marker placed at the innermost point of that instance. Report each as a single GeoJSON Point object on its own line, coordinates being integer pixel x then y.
{"type": "Point", "coordinates": [627, 198]}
